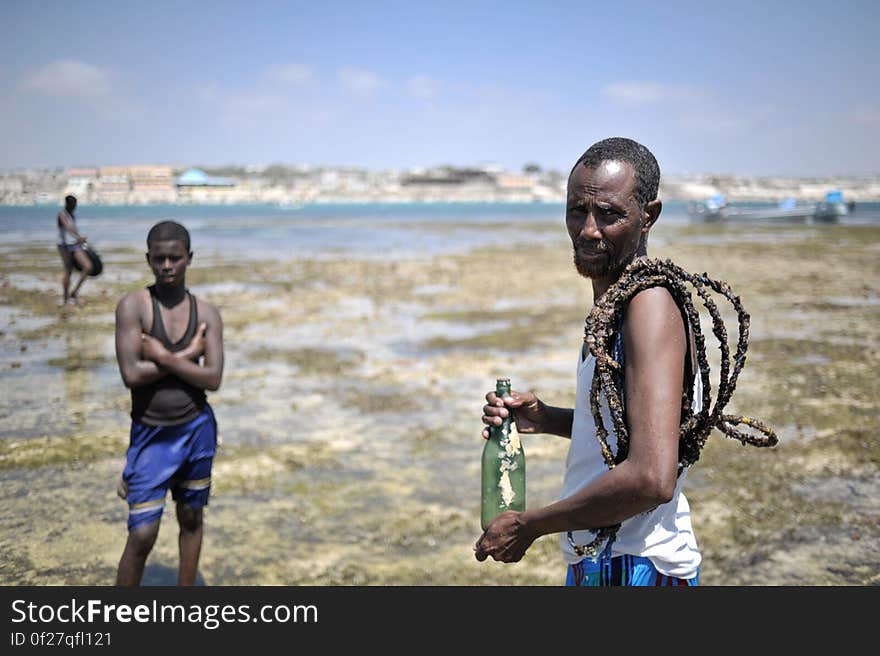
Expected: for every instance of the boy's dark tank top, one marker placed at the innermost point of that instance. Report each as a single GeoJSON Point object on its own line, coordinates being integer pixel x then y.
{"type": "Point", "coordinates": [168, 401]}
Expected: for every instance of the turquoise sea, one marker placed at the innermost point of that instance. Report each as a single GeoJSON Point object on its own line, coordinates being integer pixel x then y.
{"type": "Point", "coordinates": [400, 230]}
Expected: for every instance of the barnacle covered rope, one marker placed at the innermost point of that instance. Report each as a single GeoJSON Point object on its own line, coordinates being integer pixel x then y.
{"type": "Point", "coordinates": [601, 333]}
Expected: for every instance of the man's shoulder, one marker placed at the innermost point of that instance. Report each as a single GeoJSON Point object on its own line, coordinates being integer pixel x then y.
{"type": "Point", "coordinates": [206, 308]}
{"type": "Point", "coordinates": [133, 300]}
{"type": "Point", "coordinates": [652, 312]}
{"type": "Point", "coordinates": [653, 299]}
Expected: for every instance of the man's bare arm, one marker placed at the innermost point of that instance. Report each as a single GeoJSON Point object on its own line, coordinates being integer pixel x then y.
{"type": "Point", "coordinates": [558, 420]}
{"type": "Point", "coordinates": [134, 369]}
{"type": "Point", "coordinates": [529, 412]}
{"type": "Point", "coordinates": [209, 374]}
{"type": "Point", "coordinates": [654, 341]}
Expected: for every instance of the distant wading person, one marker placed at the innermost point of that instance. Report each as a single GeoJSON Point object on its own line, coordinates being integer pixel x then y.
{"type": "Point", "coordinates": [70, 246]}
{"type": "Point", "coordinates": [162, 332]}
{"type": "Point", "coordinates": [635, 428]}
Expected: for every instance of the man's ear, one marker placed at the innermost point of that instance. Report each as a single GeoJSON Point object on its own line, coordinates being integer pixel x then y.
{"type": "Point", "coordinates": [652, 213]}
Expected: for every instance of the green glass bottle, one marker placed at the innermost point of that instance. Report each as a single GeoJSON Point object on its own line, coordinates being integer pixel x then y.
{"type": "Point", "coordinates": [504, 467]}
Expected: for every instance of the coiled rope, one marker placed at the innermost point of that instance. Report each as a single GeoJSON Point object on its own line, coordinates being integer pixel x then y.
{"type": "Point", "coordinates": [602, 326]}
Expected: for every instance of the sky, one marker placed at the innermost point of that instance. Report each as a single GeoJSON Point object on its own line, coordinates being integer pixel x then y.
{"type": "Point", "coordinates": [744, 88]}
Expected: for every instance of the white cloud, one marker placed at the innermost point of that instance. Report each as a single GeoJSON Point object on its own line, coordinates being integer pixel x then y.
{"type": "Point", "coordinates": [651, 93]}
{"type": "Point", "coordinates": [293, 74]}
{"type": "Point", "coordinates": [359, 82]}
{"type": "Point", "coordinates": [424, 87]}
{"type": "Point", "coordinates": [70, 78]}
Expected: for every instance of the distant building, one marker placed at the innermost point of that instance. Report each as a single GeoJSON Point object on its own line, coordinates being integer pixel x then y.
{"type": "Point", "coordinates": [196, 186]}
{"type": "Point", "coordinates": [514, 181]}
{"type": "Point", "coordinates": [11, 185]}
{"type": "Point", "coordinates": [113, 186]}
{"type": "Point", "coordinates": [198, 178]}
{"type": "Point", "coordinates": [152, 184]}
{"type": "Point", "coordinates": [82, 182]}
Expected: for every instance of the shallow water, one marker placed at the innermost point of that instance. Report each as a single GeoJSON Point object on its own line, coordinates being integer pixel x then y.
{"type": "Point", "coordinates": [349, 411]}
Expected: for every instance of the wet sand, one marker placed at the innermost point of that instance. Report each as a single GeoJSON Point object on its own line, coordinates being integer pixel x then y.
{"type": "Point", "coordinates": [349, 412]}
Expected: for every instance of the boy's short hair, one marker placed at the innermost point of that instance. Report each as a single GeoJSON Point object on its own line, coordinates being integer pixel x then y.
{"type": "Point", "coordinates": [168, 231]}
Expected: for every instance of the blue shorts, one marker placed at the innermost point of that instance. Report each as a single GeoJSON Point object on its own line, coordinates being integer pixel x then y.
{"type": "Point", "coordinates": [622, 570]}
{"type": "Point", "coordinates": [160, 458]}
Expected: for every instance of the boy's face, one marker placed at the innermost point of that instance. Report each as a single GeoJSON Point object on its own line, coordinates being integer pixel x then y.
{"type": "Point", "coordinates": [168, 260]}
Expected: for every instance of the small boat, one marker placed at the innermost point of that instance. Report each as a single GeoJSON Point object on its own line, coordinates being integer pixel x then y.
{"type": "Point", "coordinates": [788, 210]}
{"type": "Point", "coordinates": [712, 209]}
{"type": "Point", "coordinates": [832, 208]}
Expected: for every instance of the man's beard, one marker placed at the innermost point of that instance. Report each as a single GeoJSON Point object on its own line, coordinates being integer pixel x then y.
{"type": "Point", "coordinates": [594, 268]}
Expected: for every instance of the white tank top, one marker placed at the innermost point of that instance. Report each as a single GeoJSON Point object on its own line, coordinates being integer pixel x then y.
{"type": "Point", "coordinates": [663, 534]}
{"type": "Point", "coordinates": [64, 237]}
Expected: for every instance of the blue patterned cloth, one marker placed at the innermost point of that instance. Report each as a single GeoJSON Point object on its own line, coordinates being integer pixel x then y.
{"type": "Point", "coordinates": [622, 570]}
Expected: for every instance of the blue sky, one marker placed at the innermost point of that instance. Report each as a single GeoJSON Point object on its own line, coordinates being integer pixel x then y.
{"type": "Point", "coordinates": [751, 88]}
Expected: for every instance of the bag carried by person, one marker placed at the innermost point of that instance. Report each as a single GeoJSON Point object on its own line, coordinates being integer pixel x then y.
{"type": "Point", "coordinates": [91, 253]}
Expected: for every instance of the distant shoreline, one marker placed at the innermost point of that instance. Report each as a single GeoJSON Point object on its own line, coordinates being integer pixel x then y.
{"type": "Point", "coordinates": [292, 187]}
{"type": "Point", "coordinates": [294, 206]}
{"type": "Point", "coordinates": [416, 202]}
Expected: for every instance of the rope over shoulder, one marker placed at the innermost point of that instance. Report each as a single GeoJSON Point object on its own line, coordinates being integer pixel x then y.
{"type": "Point", "coordinates": [601, 332]}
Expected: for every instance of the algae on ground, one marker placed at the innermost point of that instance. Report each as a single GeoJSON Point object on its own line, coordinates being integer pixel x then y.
{"type": "Point", "coordinates": [350, 459]}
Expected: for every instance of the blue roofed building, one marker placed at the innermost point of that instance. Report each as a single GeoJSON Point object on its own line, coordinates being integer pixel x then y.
{"type": "Point", "coordinates": [196, 186]}
{"type": "Point", "coordinates": [198, 178]}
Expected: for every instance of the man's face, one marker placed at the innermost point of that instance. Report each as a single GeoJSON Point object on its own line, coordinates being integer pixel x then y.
{"type": "Point", "coordinates": [603, 217]}
{"type": "Point", "coordinates": [168, 260]}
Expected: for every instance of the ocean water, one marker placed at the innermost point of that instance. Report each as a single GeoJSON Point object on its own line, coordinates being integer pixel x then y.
{"type": "Point", "coordinates": [269, 231]}
{"type": "Point", "coordinates": [399, 230]}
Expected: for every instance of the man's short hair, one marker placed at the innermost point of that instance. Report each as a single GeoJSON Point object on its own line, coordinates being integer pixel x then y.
{"type": "Point", "coordinates": [168, 231]}
{"type": "Point", "coordinates": [69, 200]}
{"type": "Point", "coordinates": [622, 149]}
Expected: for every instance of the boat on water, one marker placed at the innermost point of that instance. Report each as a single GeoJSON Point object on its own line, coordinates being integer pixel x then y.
{"type": "Point", "coordinates": [788, 210]}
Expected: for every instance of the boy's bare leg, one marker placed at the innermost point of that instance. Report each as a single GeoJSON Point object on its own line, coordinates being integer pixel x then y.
{"type": "Point", "coordinates": [189, 542]}
{"type": "Point", "coordinates": [134, 557]}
